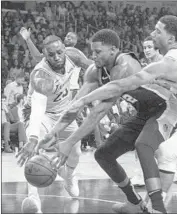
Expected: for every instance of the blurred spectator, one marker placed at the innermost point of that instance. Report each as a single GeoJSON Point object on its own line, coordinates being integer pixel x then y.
{"type": "Point", "coordinates": [48, 12]}
{"type": "Point", "coordinates": [39, 42]}
{"type": "Point", "coordinates": [13, 88]}
{"type": "Point", "coordinates": [16, 67]}
{"type": "Point", "coordinates": [62, 11]}
{"type": "Point", "coordinates": [4, 122]}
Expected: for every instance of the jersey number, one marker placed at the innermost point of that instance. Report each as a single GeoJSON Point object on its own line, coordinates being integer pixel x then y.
{"type": "Point", "coordinates": [61, 95]}
{"type": "Point", "coordinates": [129, 98]}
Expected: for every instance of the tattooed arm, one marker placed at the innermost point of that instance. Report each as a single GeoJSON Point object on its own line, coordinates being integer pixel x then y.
{"type": "Point", "coordinates": [43, 85]}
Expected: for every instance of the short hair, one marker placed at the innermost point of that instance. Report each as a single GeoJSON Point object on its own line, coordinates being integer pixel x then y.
{"type": "Point", "coordinates": [50, 39]}
{"type": "Point", "coordinates": [107, 36]}
{"type": "Point", "coordinates": [170, 22]}
{"type": "Point", "coordinates": [149, 38]}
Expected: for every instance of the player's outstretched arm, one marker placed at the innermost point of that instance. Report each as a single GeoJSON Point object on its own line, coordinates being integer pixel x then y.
{"type": "Point", "coordinates": [90, 84]}
{"type": "Point", "coordinates": [37, 56]}
{"type": "Point", "coordinates": [116, 88]}
{"type": "Point", "coordinates": [88, 125]}
{"type": "Point", "coordinates": [43, 85]}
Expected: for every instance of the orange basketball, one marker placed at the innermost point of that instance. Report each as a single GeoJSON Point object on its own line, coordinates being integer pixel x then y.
{"type": "Point", "coordinates": [39, 172]}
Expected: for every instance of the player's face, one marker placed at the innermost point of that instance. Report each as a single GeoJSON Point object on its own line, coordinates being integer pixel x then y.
{"type": "Point", "coordinates": [160, 36]}
{"type": "Point", "coordinates": [70, 40]}
{"type": "Point", "coordinates": [149, 51]}
{"type": "Point", "coordinates": [55, 54]}
{"type": "Point", "coordinates": [101, 54]}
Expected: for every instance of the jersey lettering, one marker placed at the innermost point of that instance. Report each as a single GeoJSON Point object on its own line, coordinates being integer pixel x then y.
{"type": "Point", "coordinates": [61, 95]}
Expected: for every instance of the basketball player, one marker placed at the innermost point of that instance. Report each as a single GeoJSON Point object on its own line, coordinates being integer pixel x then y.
{"type": "Point", "coordinates": [157, 125]}
{"type": "Point", "coordinates": [106, 46]}
{"type": "Point", "coordinates": [49, 93]}
{"type": "Point", "coordinates": [69, 41]}
{"type": "Point", "coordinates": [151, 55]}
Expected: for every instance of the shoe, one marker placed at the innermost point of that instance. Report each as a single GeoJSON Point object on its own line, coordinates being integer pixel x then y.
{"type": "Point", "coordinates": [31, 204]}
{"type": "Point", "coordinates": [130, 208]}
{"type": "Point", "coordinates": [70, 182]}
{"type": "Point", "coordinates": [138, 181]}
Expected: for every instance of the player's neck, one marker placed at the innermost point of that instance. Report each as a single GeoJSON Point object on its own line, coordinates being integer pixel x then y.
{"type": "Point", "coordinates": [111, 63]}
{"type": "Point", "coordinates": [164, 50]}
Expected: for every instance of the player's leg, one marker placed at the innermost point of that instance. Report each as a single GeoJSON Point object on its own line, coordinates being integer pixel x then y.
{"type": "Point", "coordinates": [120, 142]}
{"type": "Point", "coordinates": [146, 145]}
{"type": "Point", "coordinates": [167, 160]}
{"type": "Point", "coordinates": [32, 202]}
{"type": "Point", "coordinates": [68, 170]}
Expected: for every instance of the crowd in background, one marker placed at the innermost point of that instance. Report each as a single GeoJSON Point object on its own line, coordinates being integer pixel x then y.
{"type": "Point", "coordinates": [132, 24]}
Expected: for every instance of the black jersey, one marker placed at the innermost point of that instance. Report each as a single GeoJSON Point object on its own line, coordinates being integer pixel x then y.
{"type": "Point", "coordinates": [144, 100]}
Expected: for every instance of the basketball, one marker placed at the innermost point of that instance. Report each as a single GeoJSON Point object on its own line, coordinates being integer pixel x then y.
{"type": "Point", "coordinates": [39, 172]}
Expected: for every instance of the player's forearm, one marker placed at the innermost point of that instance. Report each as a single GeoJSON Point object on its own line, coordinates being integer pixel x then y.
{"type": "Point", "coordinates": [67, 118]}
{"type": "Point", "coordinates": [103, 93]}
{"type": "Point", "coordinates": [38, 107]}
{"type": "Point", "coordinates": [33, 50]}
{"type": "Point", "coordinates": [117, 87]}
{"type": "Point", "coordinates": [86, 128]}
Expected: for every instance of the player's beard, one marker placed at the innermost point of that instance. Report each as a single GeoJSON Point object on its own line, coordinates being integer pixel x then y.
{"type": "Point", "coordinates": [58, 68]}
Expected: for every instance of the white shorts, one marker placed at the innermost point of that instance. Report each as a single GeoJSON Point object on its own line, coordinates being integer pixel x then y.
{"type": "Point", "coordinates": [48, 123]}
{"type": "Point", "coordinates": [166, 154]}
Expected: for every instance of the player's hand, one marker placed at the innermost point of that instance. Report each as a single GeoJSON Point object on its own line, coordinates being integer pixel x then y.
{"type": "Point", "coordinates": [58, 160]}
{"type": "Point", "coordinates": [47, 141]}
{"type": "Point", "coordinates": [77, 105]}
{"type": "Point", "coordinates": [26, 152]}
{"type": "Point", "coordinates": [25, 33]}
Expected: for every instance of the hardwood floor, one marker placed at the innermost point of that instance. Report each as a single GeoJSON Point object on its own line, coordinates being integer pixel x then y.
{"type": "Point", "coordinates": [97, 192]}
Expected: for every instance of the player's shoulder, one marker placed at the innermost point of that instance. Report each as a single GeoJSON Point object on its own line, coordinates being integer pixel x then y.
{"type": "Point", "coordinates": [127, 57]}
{"type": "Point", "coordinates": [71, 52]}
{"type": "Point", "coordinates": [78, 57]}
{"type": "Point", "coordinates": [40, 73]}
{"type": "Point", "coordinates": [41, 81]}
{"type": "Point", "coordinates": [171, 54]}
{"type": "Point", "coordinates": [91, 73]}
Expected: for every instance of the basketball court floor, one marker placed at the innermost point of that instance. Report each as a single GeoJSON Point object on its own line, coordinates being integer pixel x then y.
{"type": "Point", "coordinates": [97, 192]}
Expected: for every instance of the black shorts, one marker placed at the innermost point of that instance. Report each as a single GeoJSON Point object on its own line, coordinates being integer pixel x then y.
{"type": "Point", "coordinates": [139, 128]}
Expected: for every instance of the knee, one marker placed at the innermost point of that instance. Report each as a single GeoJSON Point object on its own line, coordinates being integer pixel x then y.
{"type": "Point", "coordinates": [139, 146]}
{"type": "Point", "coordinates": [100, 154]}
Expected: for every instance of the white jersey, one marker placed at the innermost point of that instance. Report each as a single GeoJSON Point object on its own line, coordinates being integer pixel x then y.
{"type": "Point", "coordinates": [60, 98]}
{"type": "Point", "coordinates": [166, 87]}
